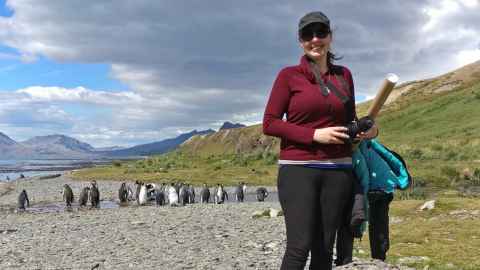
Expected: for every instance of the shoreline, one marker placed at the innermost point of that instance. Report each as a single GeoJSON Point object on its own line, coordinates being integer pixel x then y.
{"type": "Point", "coordinates": [31, 168]}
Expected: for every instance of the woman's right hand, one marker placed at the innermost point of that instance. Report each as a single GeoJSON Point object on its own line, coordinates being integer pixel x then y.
{"type": "Point", "coordinates": [330, 135]}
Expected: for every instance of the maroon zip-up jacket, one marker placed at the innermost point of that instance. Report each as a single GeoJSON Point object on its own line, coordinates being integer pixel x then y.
{"type": "Point", "coordinates": [296, 94]}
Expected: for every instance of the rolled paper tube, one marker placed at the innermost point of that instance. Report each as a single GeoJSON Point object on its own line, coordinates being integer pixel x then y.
{"type": "Point", "coordinates": [382, 95]}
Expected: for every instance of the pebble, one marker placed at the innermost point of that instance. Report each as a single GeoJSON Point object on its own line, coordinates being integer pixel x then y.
{"type": "Point", "coordinates": [428, 205]}
{"type": "Point", "coordinates": [413, 259]}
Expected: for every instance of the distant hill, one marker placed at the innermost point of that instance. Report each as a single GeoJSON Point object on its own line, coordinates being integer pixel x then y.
{"type": "Point", "coordinates": [45, 147]}
{"type": "Point", "coordinates": [5, 140]}
{"type": "Point", "coordinates": [246, 140]}
{"type": "Point", "coordinates": [59, 143]}
{"type": "Point", "coordinates": [156, 147]}
{"type": "Point", "coordinates": [59, 147]}
{"type": "Point", "coordinates": [109, 148]}
{"type": "Point", "coordinates": [229, 125]}
{"type": "Point", "coordinates": [9, 148]}
{"type": "Point", "coordinates": [63, 147]}
{"type": "Point", "coordinates": [407, 93]}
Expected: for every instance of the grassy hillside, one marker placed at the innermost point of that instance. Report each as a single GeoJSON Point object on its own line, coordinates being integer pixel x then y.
{"type": "Point", "coordinates": [228, 169]}
{"type": "Point", "coordinates": [433, 123]}
{"type": "Point", "coordinates": [448, 237]}
{"type": "Point", "coordinates": [438, 133]}
{"type": "Point", "coordinates": [245, 141]}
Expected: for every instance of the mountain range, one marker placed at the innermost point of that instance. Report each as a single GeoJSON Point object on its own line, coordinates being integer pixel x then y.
{"type": "Point", "coordinates": [59, 146]}
{"type": "Point", "coordinates": [156, 147]}
{"type": "Point", "coordinates": [228, 125]}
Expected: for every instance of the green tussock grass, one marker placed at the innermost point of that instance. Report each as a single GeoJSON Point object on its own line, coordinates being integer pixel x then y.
{"type": "Point", "coordinates": [447, 241]}
{"type": "Point", "coordinates": [228, 169]}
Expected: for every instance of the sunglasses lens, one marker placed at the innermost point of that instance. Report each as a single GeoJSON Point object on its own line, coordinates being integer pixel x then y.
{"type": "Point", "coordinates": [318, 31]}
{"type": "Point", "coordinates": [307, 35]}
{"type": "Point", "coordinates": [321, 34]}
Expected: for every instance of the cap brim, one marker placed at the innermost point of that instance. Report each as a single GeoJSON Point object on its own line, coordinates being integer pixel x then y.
{"type": "Point", "coordinates": [309, 23]}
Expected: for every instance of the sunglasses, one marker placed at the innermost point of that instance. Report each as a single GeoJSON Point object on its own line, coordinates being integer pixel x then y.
{"type": "Point", "coordinates": [315, 30]}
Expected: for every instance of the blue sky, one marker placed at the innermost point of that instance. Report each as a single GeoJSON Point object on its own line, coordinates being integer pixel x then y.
{"type": "Point", "coordinates": [129, 72]}
{"type": "Point", "coordinates": [4, 10]}
{"type": "Point", "coordinates": [15, 74]}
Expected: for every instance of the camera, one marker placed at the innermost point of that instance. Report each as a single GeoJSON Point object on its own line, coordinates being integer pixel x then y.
{"type": "Point", "coordinates": [361, 125]}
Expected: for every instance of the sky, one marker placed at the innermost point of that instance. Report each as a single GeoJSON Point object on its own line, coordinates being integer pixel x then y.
{"type": "Point", "coordinates": [123, 72]}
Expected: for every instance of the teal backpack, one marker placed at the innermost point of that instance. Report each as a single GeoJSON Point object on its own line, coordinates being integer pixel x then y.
{"type": "Point", "coordinates": [379, 168]}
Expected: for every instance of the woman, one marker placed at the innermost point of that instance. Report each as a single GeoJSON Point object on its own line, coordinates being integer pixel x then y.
{"type": "Point", "coordinates": [315, 176]}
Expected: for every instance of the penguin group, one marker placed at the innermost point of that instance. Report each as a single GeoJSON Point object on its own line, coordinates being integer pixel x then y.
{"type": "Point", "coordinates": [87, 194]}
{"type": "Point", "coordinates": [173, 194]}
{"type": "Point", "coordinates": [180, 194]}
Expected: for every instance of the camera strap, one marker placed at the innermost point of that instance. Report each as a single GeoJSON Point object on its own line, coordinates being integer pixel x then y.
{"type": "Point", "coordinates": [328, 87]}
{"type": "Point", "coordinates": [323, 88]}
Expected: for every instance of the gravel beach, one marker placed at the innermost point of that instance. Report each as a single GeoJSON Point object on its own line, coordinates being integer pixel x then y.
{"type": "Point", "coordinates": [196, 236]}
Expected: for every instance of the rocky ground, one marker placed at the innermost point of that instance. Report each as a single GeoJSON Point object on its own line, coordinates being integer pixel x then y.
{"type": "Point", "coordinates": [198, 236]}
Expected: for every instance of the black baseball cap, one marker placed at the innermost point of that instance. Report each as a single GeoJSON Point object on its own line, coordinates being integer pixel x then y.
{"type": "Point", "coordinates": [313, 17]}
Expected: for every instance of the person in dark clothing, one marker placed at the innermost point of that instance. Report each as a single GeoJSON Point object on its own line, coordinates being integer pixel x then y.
{"type": "Point", "coordinates": [315, 176]}
{"type": "Point", "coordinates": [380, 171]}
{"type": "Point", "coordinates": [378, 232]}
{"type": "Point", "coordinates": [351, 226]}
{"type": "Point", "coordinates": [378, 223]}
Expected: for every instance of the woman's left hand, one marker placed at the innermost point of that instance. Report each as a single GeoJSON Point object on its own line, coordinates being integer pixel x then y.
{"type": "Point", "coordinates": [369, 134]}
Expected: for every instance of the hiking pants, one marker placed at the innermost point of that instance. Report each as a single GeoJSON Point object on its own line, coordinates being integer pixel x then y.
{"type": "Point", "coordinates": [378, 223]}
{"type": "Point", "coordinates": [313, 201]}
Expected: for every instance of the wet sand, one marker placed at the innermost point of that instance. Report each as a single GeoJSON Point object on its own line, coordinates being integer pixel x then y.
{"type": "Point", "coordinates": [196, 236]}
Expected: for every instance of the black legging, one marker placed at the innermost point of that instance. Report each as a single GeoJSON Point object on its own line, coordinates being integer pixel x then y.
{"type": "Point", "coordinates": [313, 201]}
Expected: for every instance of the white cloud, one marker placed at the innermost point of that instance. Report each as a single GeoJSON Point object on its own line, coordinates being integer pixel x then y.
{"type": "Point", "coordinates": [78, 94]}
{"type": "Point", "coordinates": [53, 113]}
{"type": "Point", "coordinates": [470, 3]}
{"type": "Point", "coordinates": [218, 63]}
{"type": "Point", "coordinates": [467, 57]}
{"type": "Point", "coordinates": [438, 12]}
